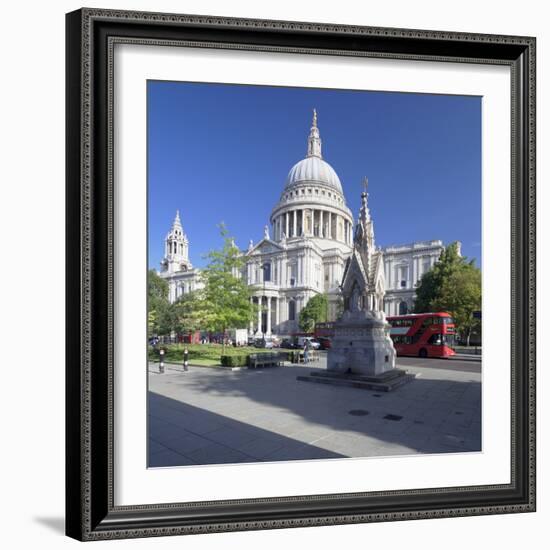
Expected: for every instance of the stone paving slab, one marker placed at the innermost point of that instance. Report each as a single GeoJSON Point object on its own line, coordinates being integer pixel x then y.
{"type": "Point", "coordinates": [215, 415]}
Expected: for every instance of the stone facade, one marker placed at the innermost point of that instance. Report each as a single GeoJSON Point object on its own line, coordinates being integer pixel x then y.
{"type": "Point", "coordinates": [175, 266]}
{"type": "Point", "coordinates": [304, 250]}
{"type": "Point", "coordinates": [404, 266]}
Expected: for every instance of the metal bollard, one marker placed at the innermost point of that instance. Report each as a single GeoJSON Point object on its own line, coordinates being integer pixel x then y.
{"type": "Point", "coordinates": [185, 359]}
{"type": "Point", "coordinates": [161, 361]}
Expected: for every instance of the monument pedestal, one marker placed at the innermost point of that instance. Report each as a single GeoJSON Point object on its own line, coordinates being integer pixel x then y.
{"type": "Point", "coordinates": [362, 355]}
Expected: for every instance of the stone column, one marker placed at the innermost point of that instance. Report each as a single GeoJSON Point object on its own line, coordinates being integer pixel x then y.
{"type": "Point", "coordinates": [277, 313]}
{"type": "Point", "coordinates": [259, 314]}
{"type": "Point", "coordinates": [287, 224]}
{"type": "Point", "coordinates": [321, 227]}
{"type": "Point", "coordinates": [251, 324]}
{"type": "Point", "coordinates": [303, 221]}
{"type": "Point", "coordinates": [268, 323]}
{"type": "Point", "coordinates": [294, 224]}
{"type": "Point", "coordinates": [330, 225]}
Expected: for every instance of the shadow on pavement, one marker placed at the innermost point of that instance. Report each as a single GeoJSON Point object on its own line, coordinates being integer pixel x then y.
{"type": "Point", "coordinates": [180, 435]}
{"type": "Point", "coordinates": [268, 415]}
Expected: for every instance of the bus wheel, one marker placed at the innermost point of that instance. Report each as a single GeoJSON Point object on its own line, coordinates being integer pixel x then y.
{"type": "Point", "coordinates": [423, 353]}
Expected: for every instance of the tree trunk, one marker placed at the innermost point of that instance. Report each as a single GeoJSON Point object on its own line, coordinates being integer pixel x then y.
{"type": "Point", "coordinates": [468, 336]}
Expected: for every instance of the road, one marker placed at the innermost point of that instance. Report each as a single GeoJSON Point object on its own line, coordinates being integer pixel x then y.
{"type": "Point", "coordinates": [455, 365]}
{"type": "Point", "coordinates": [443, 364]}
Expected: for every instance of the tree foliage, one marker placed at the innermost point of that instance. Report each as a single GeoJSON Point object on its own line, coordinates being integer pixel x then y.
{"type": "Point", "coordinates": [452, 285]}
{"type": "Point", "coordinates": [188, 312]}
{"type": "Point", "coordinates": [158, 305]}
{"type": "Point", "coordinates": [225, 297]}
{"type": "Point", "coordinates": [223, 303]}
{"type": "Point", "coordinates": [315, 311]}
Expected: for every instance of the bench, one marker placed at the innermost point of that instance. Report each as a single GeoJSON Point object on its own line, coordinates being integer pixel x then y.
{"type": "Point", "coordinates": [270, 359]}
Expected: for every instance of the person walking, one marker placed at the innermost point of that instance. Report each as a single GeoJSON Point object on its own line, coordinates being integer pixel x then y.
{"type": "Point", "coordinates": [306, 351]}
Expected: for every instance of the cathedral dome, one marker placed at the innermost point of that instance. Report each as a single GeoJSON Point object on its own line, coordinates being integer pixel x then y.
{"type": "Point", "coordinates": [313, 169]}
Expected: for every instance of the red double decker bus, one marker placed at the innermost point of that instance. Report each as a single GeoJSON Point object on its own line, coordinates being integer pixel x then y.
{"type": "Point", "coordinates": [423, 334]}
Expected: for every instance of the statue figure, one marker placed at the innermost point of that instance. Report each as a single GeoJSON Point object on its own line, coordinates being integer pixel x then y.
{"type": "Point", "coordinates": [266, 232]}
{"type": "Point", "coordinates": [355, 302]}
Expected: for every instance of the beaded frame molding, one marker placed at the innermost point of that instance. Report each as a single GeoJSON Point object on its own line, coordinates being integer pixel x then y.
{"type": "Point", "coordinates": [90, 39]}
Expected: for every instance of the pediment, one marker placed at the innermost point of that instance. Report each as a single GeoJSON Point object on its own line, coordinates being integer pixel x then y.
{"type": "Point", "coordinates": [265, 246]}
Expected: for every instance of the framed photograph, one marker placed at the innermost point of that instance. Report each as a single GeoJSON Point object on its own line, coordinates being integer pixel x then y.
{"type": "Point", "coordinates": [300, 274]}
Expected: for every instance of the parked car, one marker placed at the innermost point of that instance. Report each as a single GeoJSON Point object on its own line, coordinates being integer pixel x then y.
{"type": "Point", "coordinates": [314, 344]}
{"type": "Point", "coordinates": [287, 343]}
{"type": "Point", "coordinates": [266, 343]}
{"type": "Point", "coordinates": [325, 343]}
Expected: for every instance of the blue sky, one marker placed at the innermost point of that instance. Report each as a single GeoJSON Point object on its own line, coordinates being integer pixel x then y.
{"type": "Point", "coordinates": [222, 152]}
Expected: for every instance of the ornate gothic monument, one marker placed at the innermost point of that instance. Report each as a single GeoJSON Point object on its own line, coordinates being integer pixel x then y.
{"type": "Point", "coordinates": [362, 353]}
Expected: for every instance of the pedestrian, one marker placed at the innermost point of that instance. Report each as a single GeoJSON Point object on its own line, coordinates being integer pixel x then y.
{"type": "Point", "coordinates": [306, 351]}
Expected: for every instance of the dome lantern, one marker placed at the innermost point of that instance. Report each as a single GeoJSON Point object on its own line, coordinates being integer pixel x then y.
{"type": "Point", "coordinates": [314, 139]}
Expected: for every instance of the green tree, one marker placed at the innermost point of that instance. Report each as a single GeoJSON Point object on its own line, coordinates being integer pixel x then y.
{"type": "Point", "coordinates": [226, 298]}
{"type": "Point", "coordinates": [158, 305]}
{"type": "Point", "coordinates": [315, 311]}
{"type": "Point", "coordinates": [188, 312]}
{"type": "Point", "coordinates": [452, 285]}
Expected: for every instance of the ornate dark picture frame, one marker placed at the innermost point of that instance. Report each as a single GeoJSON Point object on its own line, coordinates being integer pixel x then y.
{"type": "Point", "coordinates": [90, 510]}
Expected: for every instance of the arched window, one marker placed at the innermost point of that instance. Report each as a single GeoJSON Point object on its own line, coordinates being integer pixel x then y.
{"type": "Point", "coordinates": [291, 310]}
{"type": "Point", "coordinates": [403, 308]}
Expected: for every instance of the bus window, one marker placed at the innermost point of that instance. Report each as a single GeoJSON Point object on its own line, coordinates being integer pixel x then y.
{"type": "Point", "coordinates": [436, 340]}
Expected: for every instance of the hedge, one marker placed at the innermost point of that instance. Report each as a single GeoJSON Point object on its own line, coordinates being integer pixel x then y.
{"type": "Point", "coordinates": [234, 360]}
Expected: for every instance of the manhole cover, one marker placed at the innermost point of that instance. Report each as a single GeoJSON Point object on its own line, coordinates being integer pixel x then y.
{"type": "Point", "coordinates": [376, 395]}
{"type": "Point", "coordinates": [395, 417]}
{"type": "Point", "coordinates": [459, 412]}
{"type": "Point", "coordinates": [358, 412]}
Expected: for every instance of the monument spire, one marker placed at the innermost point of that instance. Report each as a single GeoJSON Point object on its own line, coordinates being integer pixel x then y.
{"type": "Point", "coordinates": [364, 234]}
{"type": "Point", "coordinates": [314, 139]}
{"type": "Point", "coordinates": [364, 213]}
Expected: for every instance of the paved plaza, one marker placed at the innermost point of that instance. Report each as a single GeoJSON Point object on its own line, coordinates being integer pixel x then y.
{"type": "Point", "coordinates": [216, 415]}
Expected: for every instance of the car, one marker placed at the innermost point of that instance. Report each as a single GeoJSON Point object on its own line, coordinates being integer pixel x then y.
{"type": "Point", "coordinates": [287, 343]}
{"type": "Point", "coordinates": [324, 342]}
{"type": "Point", "coordinates": [313, 343]}
{"type": "Point", "coordinates": [266, 343]}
